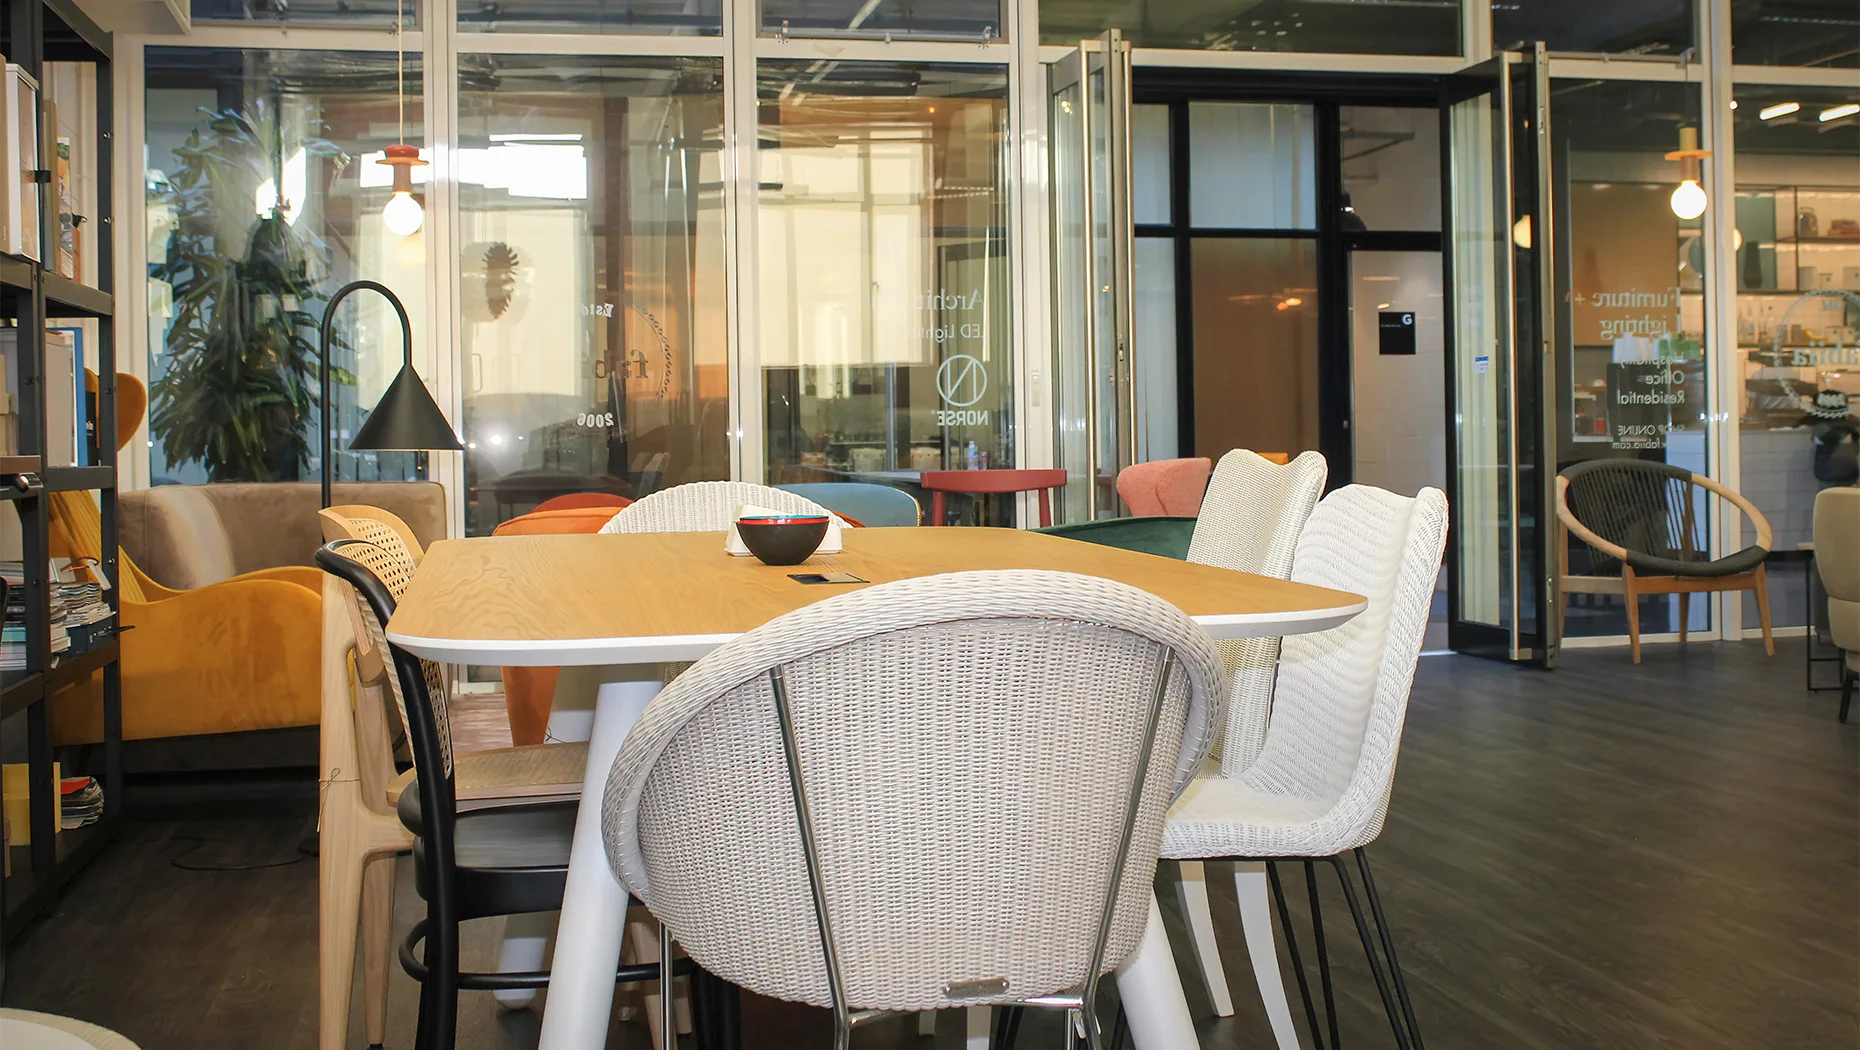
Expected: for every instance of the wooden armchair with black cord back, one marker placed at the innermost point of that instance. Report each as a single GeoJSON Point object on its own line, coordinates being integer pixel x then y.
{"type": "Point", "coordinates": [1650, 519]}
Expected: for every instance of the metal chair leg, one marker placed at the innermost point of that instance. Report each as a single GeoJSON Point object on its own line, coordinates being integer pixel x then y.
{"type": "Point", "coordinates": [1323, 953]}
{"type": "Point", "coordinates": [1007, 1026]}
{"type": "Point", "coordinates": [1298, 962]}
{"type": "Point", "coordinates": [715, 1002]}
{"type": "Point", "coordinates": [1389, 1004]}
{"type": "Point", "coordinates": [1388, 949]}
{"type": "Point", "coordinates": [1847, 689]}
{"type": "Point", "coordinates": [668, 1020]}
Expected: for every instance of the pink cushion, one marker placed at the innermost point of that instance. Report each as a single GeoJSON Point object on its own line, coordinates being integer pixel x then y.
{"type": "Point", "coordinates": [1165, 487]}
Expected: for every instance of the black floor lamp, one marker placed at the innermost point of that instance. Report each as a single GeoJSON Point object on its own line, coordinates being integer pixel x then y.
{"type": "Point", "coordinates": [406, 419]}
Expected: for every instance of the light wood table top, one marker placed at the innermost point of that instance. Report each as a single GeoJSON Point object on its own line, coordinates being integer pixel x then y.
{"type": "Point", "coordinates": [652, 597]}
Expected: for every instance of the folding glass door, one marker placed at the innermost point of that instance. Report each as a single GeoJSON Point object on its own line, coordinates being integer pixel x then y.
{"type": "Point", "coordinates": [1501, 465]}
{"type": "Point", "coordinates": [1094, 392]}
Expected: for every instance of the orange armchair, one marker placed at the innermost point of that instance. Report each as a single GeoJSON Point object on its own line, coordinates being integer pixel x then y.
{"type": "Point", "coordinates": [529, 691]}
{"type": "Point", "coordinates": [236, 655]}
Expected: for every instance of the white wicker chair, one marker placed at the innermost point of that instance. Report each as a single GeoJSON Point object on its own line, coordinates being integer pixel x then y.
{"type": "Point", "coordinates": [1319, 787]}
{"type": "Point", "coordinates": [1250, 520]}
{"type": "Point", "coordinates": [966, 750]}
{"type": "Point", "coordinates": [707, 506]}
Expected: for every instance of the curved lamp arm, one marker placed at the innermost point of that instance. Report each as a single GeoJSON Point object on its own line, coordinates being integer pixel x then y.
{"type": "Point", "coordinates": [434, 420]}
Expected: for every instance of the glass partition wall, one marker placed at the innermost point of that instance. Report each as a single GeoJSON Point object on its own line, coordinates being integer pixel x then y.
{"type": "Point", "coordinates": [591, 278]}
{"type": "Point", "coordinates": [882, 261]}
{"type": "Point", "coordinates": [261, 199]}
{"type": "Point", "coordinates": [669, 240]}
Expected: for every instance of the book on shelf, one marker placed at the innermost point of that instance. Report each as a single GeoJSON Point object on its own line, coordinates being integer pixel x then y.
{"type": "Point", "coordinates": [16, 798]}
{"type": "Point", "coordinates": [19, 185]}
{"type": "Point", "coordinates": [71, 137]}
{"type": "Point", "coordinates": [63, 382]}
{"type": "Point", "coordinates": [70, 413]}
{"type": "Point", "coordinates": [84, 425]}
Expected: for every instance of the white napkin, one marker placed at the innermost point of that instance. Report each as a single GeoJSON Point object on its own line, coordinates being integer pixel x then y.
{"type": "Point", "coordinates": [733, 543]}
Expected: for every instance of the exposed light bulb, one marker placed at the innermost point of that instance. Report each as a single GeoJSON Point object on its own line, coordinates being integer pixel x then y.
{"type": "Point", "coordinates": [1689, 200]}
{"type": "Point", "coordinates": [404, 216]}
{"type": "Point", "coordinates": [1521, 232]}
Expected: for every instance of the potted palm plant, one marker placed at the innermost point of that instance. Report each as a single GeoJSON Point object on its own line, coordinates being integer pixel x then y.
{"type": "Point", "coordinates": [237, 387]}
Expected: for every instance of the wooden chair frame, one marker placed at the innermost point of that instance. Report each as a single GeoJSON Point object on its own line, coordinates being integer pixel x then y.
{"type": "Point", "coordinates": [359, 832]}
{"type": "Point", "coordinates": [1632, 585]}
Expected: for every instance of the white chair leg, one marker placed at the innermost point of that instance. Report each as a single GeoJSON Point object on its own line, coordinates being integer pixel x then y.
{"type": "Point", "coordinates": [525, 947]}
{"type": "Point", "coordinates": [926, 1023]}
{"type": "Point", "coordinates": [1255, 894]}
{"type": "Point", "coordinates": [1192, 889]}
{"type": "Point", "coordinates": [978, 1024]}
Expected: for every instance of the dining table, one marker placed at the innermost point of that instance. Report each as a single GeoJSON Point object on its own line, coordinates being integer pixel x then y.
{"type": "Point", "coordinates": [629, 604]}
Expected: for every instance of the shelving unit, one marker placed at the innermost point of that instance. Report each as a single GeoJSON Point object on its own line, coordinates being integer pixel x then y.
{"type": "Point", "coordinates": [33, 32]}
{"type": "Point", "coordinates": [1779, 262]}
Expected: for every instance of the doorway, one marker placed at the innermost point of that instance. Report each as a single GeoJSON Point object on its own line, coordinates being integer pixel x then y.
{"type": "Point", "coordinates": [1288, 283]}
{"type": "Point", "coordinates": [1253, 196]}
{"type": "Point", "coordinates": [1283, 261]}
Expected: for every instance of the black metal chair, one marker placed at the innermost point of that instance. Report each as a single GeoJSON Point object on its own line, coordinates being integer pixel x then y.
{"type": "Point", "coordinates": [500, 860]}
{"type": "Point", "coordinates": [1646, 527]}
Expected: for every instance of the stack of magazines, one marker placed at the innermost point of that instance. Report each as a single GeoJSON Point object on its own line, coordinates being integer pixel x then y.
{"type": "Point", "coordinates": [78, 617]}
{"type": "Point", "coordinates": [86, 616]}
{"type": "Point", "coordinates": [81, 802]}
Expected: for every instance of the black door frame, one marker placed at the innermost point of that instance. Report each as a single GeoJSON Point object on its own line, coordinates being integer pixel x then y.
{"type": "Point", "coordinates": [1327, 93]}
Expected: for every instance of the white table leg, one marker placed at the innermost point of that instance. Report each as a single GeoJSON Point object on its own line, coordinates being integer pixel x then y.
{"type": "Point", "coordinates": [587, 944]}
{"type": "Point", "coordinates": [1152, 992]}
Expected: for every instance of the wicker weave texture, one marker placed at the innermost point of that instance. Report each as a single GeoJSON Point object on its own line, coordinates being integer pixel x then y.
{"type": "Point", "coordinates": [707, 506]}
{"type": "Point", "coordinates": [94, 1036]}
{"type": "Point", "coordinates": [967, 742]}
{"type": "Point", "coordinates": [386, 536]}
{"type": "Point", "coordinates": [392, 564]}
{"type": "Point", "coordinates": [1321, 782]}
{"type": "Point", "coordinates": [1250, 521]}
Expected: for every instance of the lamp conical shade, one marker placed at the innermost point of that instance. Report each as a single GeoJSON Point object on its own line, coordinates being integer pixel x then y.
{"type": "Point", "coordinates": [406, 419]}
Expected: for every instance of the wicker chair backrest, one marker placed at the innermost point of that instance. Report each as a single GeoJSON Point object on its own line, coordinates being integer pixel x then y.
{"type": "Point", "coordinates": [968, 745]}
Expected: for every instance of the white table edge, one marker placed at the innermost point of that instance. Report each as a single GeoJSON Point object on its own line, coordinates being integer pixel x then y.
{"type": "Point", "coordinates": [565, 652]}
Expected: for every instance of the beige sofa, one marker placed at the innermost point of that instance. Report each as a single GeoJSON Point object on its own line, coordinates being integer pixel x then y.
{"type": "Point", "coordinates": [188, 536]}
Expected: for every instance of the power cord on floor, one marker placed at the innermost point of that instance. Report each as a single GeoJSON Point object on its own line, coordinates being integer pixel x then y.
{"type": "Point", "coordinates": [200, 843]}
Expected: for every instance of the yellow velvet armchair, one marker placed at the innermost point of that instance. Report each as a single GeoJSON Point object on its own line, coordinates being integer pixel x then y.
{"type": "Point", "coordinates": [235, 655]}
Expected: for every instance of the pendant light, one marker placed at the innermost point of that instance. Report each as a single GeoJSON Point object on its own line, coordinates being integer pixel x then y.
{"type": "Point", "coordinates": [1688, 200]}
{"type": "Point", "coordinates": [403, 214]}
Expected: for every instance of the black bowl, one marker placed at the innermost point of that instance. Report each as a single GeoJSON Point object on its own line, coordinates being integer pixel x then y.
{"type": "Point", "coordinates": [783, 541]}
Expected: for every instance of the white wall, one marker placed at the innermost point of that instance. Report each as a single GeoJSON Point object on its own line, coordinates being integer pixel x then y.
{"type": "Point", "coordinates": [1399, 420]}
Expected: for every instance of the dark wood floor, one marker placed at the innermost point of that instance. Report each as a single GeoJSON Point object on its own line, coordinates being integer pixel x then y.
{"type": "Point", "coordinates": [1600, 857]}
